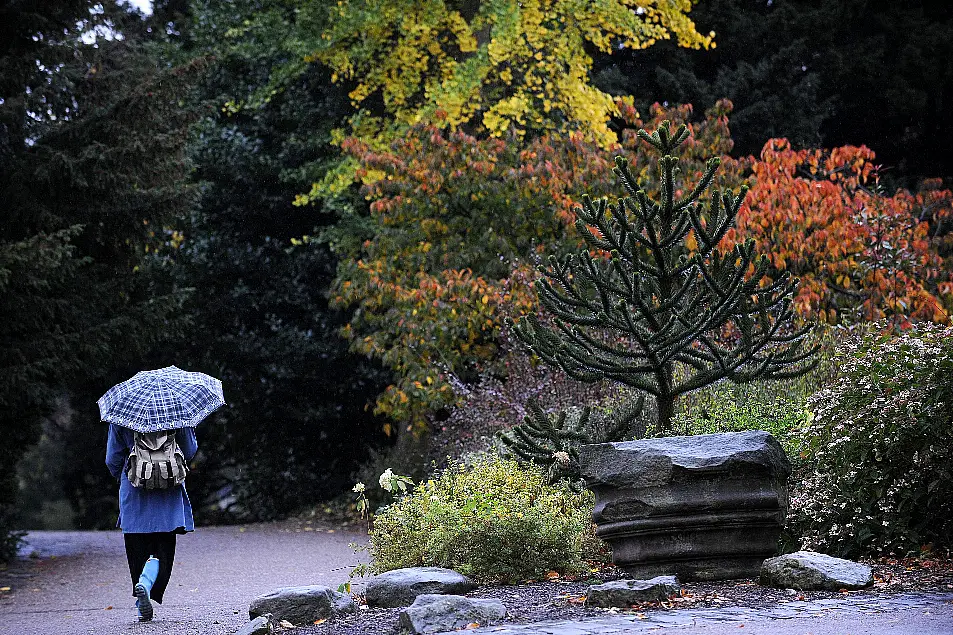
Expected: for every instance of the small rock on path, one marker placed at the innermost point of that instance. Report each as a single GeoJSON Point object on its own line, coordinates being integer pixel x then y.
{"type": "Point", "coordinates": [625, 593]}
{"type": "Point", "coordinates": [434, 613]}
{"type": "Point", "coordinates": [812, 571]}
{"type": "Point", "coordinates": [400, 587]}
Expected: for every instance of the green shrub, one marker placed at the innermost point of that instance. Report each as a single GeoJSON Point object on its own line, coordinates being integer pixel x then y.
{"type": "Point", "coordinates": [778, 406]}
{"type": "Point", "coordinates": [492, 520]}
{"type": "Point", "coordinates": [735, 408]}
{"type": "Point", "coordinates": [880, 447]}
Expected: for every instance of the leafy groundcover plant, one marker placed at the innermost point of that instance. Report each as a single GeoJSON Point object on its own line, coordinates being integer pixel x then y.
{"type": "Point", "coordinates": [735, 408]}
{"type": "Point", "coordinates": [881, 447]}
{"type": "Point", "coordinates": [491, 520]}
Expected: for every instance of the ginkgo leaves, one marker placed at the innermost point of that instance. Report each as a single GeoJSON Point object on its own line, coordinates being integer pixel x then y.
{"type": "Point", "coordinates": [497, 67]}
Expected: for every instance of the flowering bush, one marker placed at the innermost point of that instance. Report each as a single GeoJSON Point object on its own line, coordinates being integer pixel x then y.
{"type": "Point", "coordinates": [881, 448]}
{"type": "Point", "coordinates": [491, 520]}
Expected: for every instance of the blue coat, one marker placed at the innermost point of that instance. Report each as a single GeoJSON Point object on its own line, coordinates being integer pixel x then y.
{"type": "Point", "coordinates": [147, 511]}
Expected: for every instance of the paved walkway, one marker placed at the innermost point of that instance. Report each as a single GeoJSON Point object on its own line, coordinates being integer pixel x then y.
{"type": "Point", "coordinates": [80, 584]}
{"type": "Point", "coordinates": [909, 614]}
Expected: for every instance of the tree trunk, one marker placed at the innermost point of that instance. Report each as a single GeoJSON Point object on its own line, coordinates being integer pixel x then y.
{"type": "Point", "coordinates": [666, 412]}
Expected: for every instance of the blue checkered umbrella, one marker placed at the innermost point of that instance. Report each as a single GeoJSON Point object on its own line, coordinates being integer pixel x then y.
{"type": "Point", "coordinates": [163, 399]}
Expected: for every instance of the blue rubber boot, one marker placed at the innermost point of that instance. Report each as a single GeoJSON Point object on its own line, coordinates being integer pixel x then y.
{"type": "Point", "coordinates": [148, 577]}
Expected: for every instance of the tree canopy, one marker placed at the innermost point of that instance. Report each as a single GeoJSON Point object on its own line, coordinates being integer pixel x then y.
{"type": "Point", "coordinates": [262, 322]}
{"type": "Point", "coordinates": [646, 307]}
{"type": "Point", "coordinates": [493, 66]}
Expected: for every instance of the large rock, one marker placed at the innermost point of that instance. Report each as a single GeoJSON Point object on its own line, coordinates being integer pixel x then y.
{"type": "Point", "coordinates": [440, 613]}
{"type": "Point", "coordinates": [705, 507]}
{"type": "Point", "coordinates": [812, 571]}
{"type": "Point", "coordinates": [625, 593]}
{"type": "Point", "coordinates": [261, 625]}
{"type": "Point", "coordinates": [302, 604]}
{"type": "Point", "coordinates": [401, 587]}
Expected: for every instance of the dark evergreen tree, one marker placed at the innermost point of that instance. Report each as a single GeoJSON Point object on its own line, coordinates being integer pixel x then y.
{"type": "Point", "coordinates": [296, 427]}
{"type": "Point", "coordinates": [36, 266]}
{"type": "Point", "coordinates": [652, 314]}
{"type": "Point", "coordinates": [92, 137]}
{"type": "Point", "coordinates": [819, 72]}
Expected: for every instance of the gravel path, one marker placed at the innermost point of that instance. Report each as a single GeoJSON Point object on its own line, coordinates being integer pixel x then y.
{"type": "Point", "coordinates": [79, 584]}
{"type": "Point", "coordinates": [908, 597]}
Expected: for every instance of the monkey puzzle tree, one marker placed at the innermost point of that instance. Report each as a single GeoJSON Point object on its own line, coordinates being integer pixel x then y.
{"type": "Point", "coordinates": [654, 305]}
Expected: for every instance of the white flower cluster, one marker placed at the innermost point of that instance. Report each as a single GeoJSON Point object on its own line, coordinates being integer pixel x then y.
{"type": "Point", "coordinates": [387, 479]}
{"type": "Point", "coordinates": [562, 459]}
{"type": "Point", "coordinates": [879, 448]}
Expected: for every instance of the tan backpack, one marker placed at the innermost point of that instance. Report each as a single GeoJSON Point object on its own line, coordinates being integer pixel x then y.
{"type": "Point", "coordinates": [156, 461]}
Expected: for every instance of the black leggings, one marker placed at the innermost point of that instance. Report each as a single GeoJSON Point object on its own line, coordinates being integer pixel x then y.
{"type": "Point", "coordinates": [138, 549]}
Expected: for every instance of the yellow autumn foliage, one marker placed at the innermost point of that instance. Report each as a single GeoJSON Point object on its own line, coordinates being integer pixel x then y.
{"type": "Point", "coordinates": [492, 66]}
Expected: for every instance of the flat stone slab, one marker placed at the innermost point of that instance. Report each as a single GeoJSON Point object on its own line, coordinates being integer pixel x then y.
{"type": "Point", "coordinates": [652, 462]}
{"type": "Point", "coordinates": [261, 625]}
{"type": "Point", "coordinates": [625, 593]}
{"type": "Point", "coordinates": [432, 613]}
{"type": "Point", "coordinates": [401, 587]}
{"type": "Point", "coordinates": [812, 571]}
{"type": "Point", "coordinates": [302, 604]}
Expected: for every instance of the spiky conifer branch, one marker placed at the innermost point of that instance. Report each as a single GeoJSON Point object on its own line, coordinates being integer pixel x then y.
{"type": "Point", "coordinates": [661, 304]}
{"type": "Point", "coordinates": [553, 442]}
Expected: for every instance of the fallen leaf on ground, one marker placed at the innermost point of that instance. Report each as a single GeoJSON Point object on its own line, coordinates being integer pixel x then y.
{"type": "Point", "coordinates": [108, 608]}
{"type": "Point", "coordinates": [285, 624]}
{"type": "Point", "coordinates": [321, 621]}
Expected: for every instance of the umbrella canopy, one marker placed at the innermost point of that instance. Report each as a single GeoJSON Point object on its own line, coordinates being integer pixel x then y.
{"type": "Point", "coordinates": [163, 399]}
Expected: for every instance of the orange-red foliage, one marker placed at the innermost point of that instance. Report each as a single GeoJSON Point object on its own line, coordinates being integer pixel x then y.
{"type": "Point", "coordinates": [860, 254]}
{"type": "Point", "coordinates": [452, 215]}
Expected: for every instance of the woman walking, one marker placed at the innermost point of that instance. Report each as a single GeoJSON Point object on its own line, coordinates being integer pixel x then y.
{"type": "Point", "coordinates": [150, 518]}
{"type": "Point", "coordinates": [152, 419]}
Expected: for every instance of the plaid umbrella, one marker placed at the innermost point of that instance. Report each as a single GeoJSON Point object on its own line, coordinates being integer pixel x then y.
{"type": "Point", "coordinates": [163, 399]}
